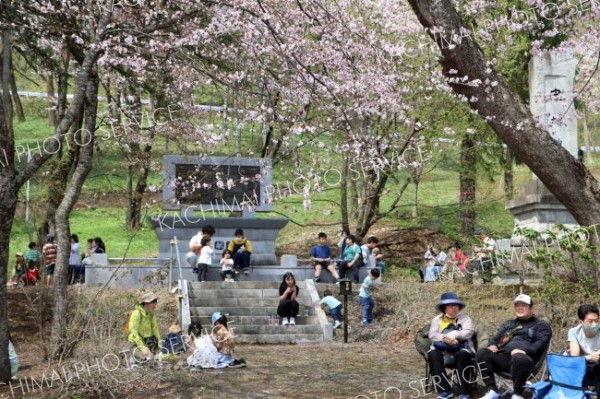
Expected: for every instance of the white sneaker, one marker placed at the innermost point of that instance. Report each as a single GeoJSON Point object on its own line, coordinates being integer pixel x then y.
{"type": "Point", "coordinates": [337, 324]}
{"type": "Point", "coordinates": [285, 322]}
{"type": "Point", "coordinates": [491, 394]}
{"type": "Point", "coordinates": [292, 321]}
{"type": "Point", "coordinates": [515, 396]}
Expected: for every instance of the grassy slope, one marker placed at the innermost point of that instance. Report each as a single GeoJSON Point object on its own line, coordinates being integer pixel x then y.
{"type": "Point", "coordinates": [438, 197]}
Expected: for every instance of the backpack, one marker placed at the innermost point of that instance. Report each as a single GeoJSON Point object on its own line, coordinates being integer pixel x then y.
{"type": "Point", "coordinates": [173, 344]}
{"type": "Point", "coordinates": [442, 346]}
{"type": "Point", "coordinates": [127, 325]}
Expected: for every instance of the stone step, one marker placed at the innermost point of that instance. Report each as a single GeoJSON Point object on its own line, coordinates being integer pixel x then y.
{"type": "Point", "coordinates": [269, 330]}
{"type": "Point", "coordinates": [253, 320]}
{"type": "Point", "coordinates": [216, 285]}
{"type": "Point", "coordinates": [235, 293]}
{"type": "Point", "coordinates": [279, 338]}
{"type": "Point", "coordinates": [243, 302]}
{"type": "Point", "coordinates": [243, 311]}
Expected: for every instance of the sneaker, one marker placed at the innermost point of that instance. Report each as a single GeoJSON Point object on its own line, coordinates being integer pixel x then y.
{"type": "Point", "coordinates": [445, 395]}
{"type": "Point", "coordinates": [237, 271]}
{"type": "Point", "coordinates": [491, 394]}
{"type": "Point", "coordinates": [337, 324]}
{"type": "Point", "coordinates": [365, 323]}
{"type": "Point", "coordinates": [246, 271]}
{"type": "Point", "coordinates": [285, 322]}
{"type": "Point", "coordinates": [337, 281]}
{"type": "Point", "coordinates": [516, 396]}
{"type": "Point", "coordinates": [236, 364]}
{"type": "Point", "coordinates": [293, 322]}
{"type": "Point", "coordinates": [464, 396]}
{"type": "Point", "coordinates": [317, 279]}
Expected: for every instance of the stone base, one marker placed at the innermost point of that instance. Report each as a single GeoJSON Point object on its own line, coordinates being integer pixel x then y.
{"type": "Point", "coordinates": [538, 209]}
{"type": "Point", "coordinates": [262, 234]}
{"type": "Point", "coordinates": [146, 276]}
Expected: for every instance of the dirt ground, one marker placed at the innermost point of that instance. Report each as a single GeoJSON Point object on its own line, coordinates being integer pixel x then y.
{"type": "Point", "coordinates": [379, 361]}
{"type": "Point", "coordinates": [364, 366]}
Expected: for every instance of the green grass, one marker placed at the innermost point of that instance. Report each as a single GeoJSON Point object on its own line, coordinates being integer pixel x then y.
{"type": "Point", "coordinates": [107, 223]}
{"type": "Point", "coordinates": [437, 201]}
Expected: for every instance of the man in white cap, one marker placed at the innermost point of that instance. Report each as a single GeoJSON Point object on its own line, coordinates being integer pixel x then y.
{"type": "Point", "coordinates": [142, 329]}
{"type": "Point", "coordinates": [516, 348]}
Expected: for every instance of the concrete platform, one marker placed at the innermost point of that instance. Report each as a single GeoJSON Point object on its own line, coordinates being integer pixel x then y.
{"type": "Point", "coordinates": [139, 276]}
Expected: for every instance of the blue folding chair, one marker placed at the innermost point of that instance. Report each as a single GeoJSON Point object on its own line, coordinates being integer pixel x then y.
{"type": "Point", "coordinates": [566, 379]}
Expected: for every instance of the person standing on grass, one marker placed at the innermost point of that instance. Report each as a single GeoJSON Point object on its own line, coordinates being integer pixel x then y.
{"type": "Point", "coordinates": [32, 255]}
{"type": "Point", "coordinates": [99, 247]}
{"type": "Point", "coordinates": [288, 305]}
{"type": "Point", "coordinates": [320, 255]}
{"type": "Point", "coordinates": [205, 258]}
{"type": "Point", "coordinates": [49, 251]}
{"type": "Point", "coordinates": [241, 248]}
{"type": "Point", "coordinates": [365, 297]}
{"type": "Point", "coordinates": [74, 262]}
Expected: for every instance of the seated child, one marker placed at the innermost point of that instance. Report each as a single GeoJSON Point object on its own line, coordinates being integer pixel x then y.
{"type": "Point", "coordinates": [223, 340]}
{"type": "Point", "coordinates": [227, 272]}
{"type": "Point", "coordinates": [335, 307]}
{"type": "Point", "coordinates": [20, 270]}
{"type": "Point", "coordinates": [32, 276]}
{"type": "Point", "coordinates": [205, 355]}
{"type": "Point", "coordinates": [173, 345]}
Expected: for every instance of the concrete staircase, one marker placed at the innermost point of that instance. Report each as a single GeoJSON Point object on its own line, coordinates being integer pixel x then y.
{"type": "Point", "coordinates": [249, 306]}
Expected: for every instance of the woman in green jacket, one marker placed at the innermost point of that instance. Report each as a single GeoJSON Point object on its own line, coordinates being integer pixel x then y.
{"type": "Point", "coordinates": [143, 329]}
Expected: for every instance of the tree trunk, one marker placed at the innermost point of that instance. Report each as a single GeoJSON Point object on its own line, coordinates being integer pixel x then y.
{"type": "Point", "coordinates": [567, 178]}
{"type": "Point", "coordinates": [52, 103]}
{"type": "Point", "coordinates": [59, 319]}
{"type": "Point", "coordinates": [344, 194]}
{"type": "Point", "coordinates": [16, 98]}
{"type": "Point", "coordinates": [509, 190]}
{"type": "Point", "coordinates": [586, 137]}
{"type": "Point", "coordinates": [8, 206]}
{"type": "Point", "coordinates": [60, 176]}
{"type": "Point", "coordinates": [417, 180]}
{"type": "Point", "coordinates": [468, 185]}
{"type": "Point", "coordinates": [8, 198]}
{"type": "Point", "coordinates": [12, 180]}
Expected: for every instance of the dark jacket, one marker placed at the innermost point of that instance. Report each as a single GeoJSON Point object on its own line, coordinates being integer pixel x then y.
{"type": "Point", "coordinates": [532, 336]}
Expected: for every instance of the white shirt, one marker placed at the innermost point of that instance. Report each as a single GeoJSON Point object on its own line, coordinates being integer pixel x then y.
{"type": "Point", "coordinates": [74, 257]}
{"type": "Point", "coordinates": [586, 345]}
{"type": "Point", "coordinates": [195, 240]}
{"type": "Point", "coordinates": [226, 264]}
{"type": "Point", "coordinates": [206, 255]}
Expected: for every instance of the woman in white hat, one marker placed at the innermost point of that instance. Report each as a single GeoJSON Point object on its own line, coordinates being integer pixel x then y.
{"type": "Point", "coordinates": [450, 334]}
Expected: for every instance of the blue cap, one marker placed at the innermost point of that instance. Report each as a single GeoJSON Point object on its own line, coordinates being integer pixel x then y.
{"type": "Point", "coordinates": [449, 298]}
{"type": "Point", "coordinates": [215, 316]}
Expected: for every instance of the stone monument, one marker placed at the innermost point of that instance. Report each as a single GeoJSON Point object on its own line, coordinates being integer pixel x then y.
{"type": "Point", "coordinates": [207, 191]}
{"type": "Point", "coordinates": [551, 78]}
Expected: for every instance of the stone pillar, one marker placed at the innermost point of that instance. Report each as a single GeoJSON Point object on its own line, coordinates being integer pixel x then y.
{"type": "Point", "coordinates": [551, 78]}
{"type": "Point", "coordinates": [551, 96]}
